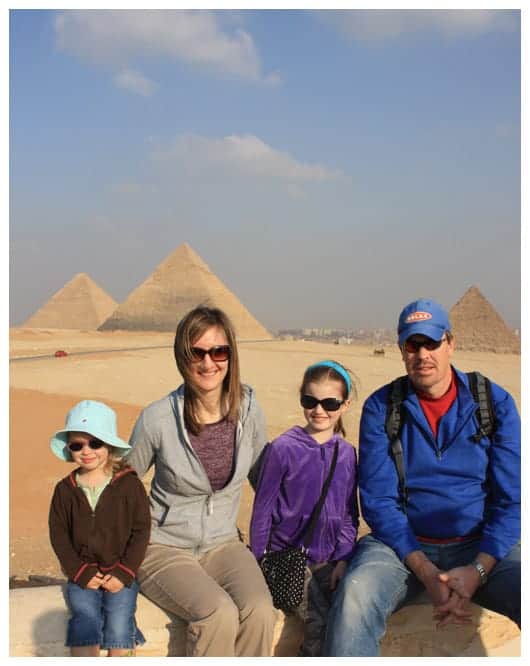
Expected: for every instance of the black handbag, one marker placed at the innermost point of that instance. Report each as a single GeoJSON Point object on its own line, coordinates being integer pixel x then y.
{"type": "Point", "coordinates": [284, 570]}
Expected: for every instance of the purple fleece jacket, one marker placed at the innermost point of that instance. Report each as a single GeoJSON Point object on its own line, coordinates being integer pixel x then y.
{"type": "Point", "coordinates": [293, 472]}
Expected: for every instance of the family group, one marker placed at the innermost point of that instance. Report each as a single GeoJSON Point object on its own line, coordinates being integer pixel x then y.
{"type": "Point", "coordinates": [437, 481]}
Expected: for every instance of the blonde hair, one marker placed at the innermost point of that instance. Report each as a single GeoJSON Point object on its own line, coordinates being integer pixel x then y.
{"type": "Point", "coordinates": [189, 330]}
{"type": "Point", "coordinates": [116, 461]}
{"type": "Point", "coordinates": [317, 373]}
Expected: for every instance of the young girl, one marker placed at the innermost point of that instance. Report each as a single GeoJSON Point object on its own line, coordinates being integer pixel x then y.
{"type": "Point", "coordinates": [294, 469]}
{"type": "Point", "coordinates": [99, 529]}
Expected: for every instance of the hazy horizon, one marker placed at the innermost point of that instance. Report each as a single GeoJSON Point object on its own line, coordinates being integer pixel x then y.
{"type": "Point", "coordinates": [280, 327]}
{"type": "Point", "coordinates": [328, 166]}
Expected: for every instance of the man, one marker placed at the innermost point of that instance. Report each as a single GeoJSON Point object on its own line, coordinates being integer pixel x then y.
{"type": "Point", "coordinates": [452, 526]}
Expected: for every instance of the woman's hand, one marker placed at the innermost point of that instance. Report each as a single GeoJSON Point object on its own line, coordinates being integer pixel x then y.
{"type": "Point", "coordinates": [338, 572]}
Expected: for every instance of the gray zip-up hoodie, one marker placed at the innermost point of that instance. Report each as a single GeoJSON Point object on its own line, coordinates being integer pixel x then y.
{"type": "Point", "coordinates": [186, 512]}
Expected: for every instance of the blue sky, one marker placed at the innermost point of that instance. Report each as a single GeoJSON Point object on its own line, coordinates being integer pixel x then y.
{"type": "Point", "coordinates": [329, 166]}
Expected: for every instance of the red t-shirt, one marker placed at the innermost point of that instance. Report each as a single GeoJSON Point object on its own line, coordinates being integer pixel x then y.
{"type": "Point", "coordinates": [435, 408]}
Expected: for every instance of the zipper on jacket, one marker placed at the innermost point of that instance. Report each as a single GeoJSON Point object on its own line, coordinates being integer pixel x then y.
{"type": "Point", "coordinates": [209, 505]}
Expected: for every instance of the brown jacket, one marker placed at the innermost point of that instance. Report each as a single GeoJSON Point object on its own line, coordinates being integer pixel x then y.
{"type": "Point", "coordinates": [112, 539]}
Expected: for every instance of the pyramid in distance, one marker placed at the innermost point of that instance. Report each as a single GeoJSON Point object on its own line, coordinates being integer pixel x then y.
{"type": "Point", "coordinates": [180, 283]}
{"type": "Point", "coordinates": [477, 326]}
{"type": "Point", "coordinates": [80, 304]}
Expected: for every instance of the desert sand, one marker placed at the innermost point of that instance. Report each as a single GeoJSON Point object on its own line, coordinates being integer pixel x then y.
{"type": "Point", "coordinates": [129, 370]}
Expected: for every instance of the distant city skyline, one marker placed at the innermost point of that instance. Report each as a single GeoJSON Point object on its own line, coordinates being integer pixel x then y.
{"type": "Point", "coordinates": [328, 166]}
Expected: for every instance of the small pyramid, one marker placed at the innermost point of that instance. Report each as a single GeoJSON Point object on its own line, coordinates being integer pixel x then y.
{"type": "Point", "coordinates": [80, 304]}
{"type": "Point", "coordinates": [477, 326]}
{"type": "Point", "coordinates": [180, 283]}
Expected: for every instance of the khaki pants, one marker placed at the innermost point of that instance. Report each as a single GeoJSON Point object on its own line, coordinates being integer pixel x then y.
{"type": "Point", "coordinates": [220, 593]}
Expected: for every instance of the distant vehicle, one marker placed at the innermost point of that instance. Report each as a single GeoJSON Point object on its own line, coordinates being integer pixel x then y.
{"type": "Point", "coordinates": [61, 352]}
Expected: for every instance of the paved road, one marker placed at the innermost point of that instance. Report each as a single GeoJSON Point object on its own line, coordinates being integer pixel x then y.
{"type": "Point", "coordinates": [92, 351]}
{"type": "Point", "coordinates": [110, 351]}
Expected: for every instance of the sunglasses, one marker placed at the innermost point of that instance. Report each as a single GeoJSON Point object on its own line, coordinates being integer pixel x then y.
{"type": "Point", "coordinates": [414, 346]}
{"type": "Point", "coordinates": [328, 404]}
{"type": "Point", "coordinates": [94, 444]}
{"type": "Point", "coordinates": [217, 354]}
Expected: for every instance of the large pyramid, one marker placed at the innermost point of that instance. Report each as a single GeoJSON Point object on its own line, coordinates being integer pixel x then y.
{"type": "Point", "coordinates": [79, 304]}
{"type": "Point", "coordinates": [478, 326]}
{"type": "Point", "coordinates": [181, 282]}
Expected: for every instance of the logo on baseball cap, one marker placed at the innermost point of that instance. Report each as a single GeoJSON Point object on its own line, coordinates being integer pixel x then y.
{"type": "Point", "coordinates": [423, 317]}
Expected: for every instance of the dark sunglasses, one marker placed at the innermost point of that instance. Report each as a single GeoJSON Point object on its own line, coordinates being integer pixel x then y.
{"type": "Point", "coordinates": [94, 444]}
{"type": "Point", "coordinates": [414, 346]}
{"type": "Point", "coordinates": [328, 404]}
{"type": "Point", "coordinates": [218, 353]}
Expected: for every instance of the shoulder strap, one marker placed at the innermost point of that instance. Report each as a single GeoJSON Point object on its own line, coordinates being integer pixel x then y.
{"type": "Point", "coordinates": [318, 507]}
{"type": "Point", "coordinates": [480, 388]}
{"type": "Point", "coordinates": [397, 393]}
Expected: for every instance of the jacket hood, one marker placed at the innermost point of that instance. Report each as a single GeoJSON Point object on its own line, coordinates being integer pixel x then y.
{"type": "Point", "coordinates": [300, 435]}
{"type": "Point", "coordinates": [71, 481]}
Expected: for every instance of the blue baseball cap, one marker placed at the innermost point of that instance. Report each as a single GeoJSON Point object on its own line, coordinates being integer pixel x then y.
{"type": "Point", "coordinates": [423, 317]}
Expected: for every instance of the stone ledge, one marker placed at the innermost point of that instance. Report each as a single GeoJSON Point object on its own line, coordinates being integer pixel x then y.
{"type": "Point", "coordinates": [38, 618]}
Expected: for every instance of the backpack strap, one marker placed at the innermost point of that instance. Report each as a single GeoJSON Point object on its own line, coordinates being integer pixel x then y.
{"type": "Point", "coordinates": [480, 388]}
{"type": "Point", "coordinates": [397, 392]}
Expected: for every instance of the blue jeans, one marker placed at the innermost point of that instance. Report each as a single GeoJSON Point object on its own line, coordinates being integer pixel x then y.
{"type": "Point", "coordinates": [103, 618]}
{"type": "Point", "coordinates": [377, 583]}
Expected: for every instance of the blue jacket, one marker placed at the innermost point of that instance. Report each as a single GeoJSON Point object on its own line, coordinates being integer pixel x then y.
{"type": "Point", "coordinates": [456, 487]}
{"type": "Point", "coordinates": [293, 472]}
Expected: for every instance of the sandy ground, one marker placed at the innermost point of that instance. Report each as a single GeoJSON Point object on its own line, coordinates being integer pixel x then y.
{"type": "Point", "coordinates": [130, 370]}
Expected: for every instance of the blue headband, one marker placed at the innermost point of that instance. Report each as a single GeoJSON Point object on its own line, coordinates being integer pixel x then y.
{"type": "Point", "coordinates": [338, 368]}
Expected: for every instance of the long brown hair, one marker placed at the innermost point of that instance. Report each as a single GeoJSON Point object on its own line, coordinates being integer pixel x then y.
{"type": "Point", "coordinates": [189, 330]}
{"type": "Point", "coordinates": [317, 373]}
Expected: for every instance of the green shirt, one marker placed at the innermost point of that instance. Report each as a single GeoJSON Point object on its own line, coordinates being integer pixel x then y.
{"type": "Point", "coordinates": [92, 492]}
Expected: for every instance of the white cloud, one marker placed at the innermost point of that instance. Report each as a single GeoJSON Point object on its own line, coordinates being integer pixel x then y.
{"type": "Point", "coordinates": [135, 82]}
{"type": "Point", "coordinates": [114, 37]}
{"type": "Point", "coordinates": [246, 154]}
{"type": "Point", "coordinates": [382, 24]}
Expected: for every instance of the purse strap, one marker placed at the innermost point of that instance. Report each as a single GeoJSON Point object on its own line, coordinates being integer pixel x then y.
{"type": "Point", "coordinates": [318, 507]}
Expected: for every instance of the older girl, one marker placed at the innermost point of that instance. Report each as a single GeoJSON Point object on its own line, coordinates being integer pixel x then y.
{"type": "Point", "coordinates": [294, 470]}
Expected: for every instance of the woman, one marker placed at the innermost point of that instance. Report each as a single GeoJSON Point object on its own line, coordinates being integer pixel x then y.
{"type": "Point", "coordinates": [203, 439]}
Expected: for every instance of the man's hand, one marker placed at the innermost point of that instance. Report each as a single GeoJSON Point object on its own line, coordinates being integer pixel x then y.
{"type": "Point", "coordinates": [429, 574]}
{"type": "Point", "coordinates": [112, 584]}
{"type": "Point", "coordinates": [455, 611]}
{"type": "Point", "coordinates": [95, 582]}
{"type": "Point", "coordinates": [338, 572]}
{"type": "Point", "coordinates": [463, 580]}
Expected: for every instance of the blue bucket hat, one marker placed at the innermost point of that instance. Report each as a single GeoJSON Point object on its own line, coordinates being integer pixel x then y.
{"type": "Point", "coordinates": [423, 317]}
{"type": "Point", "coordinates": [93, 418]}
